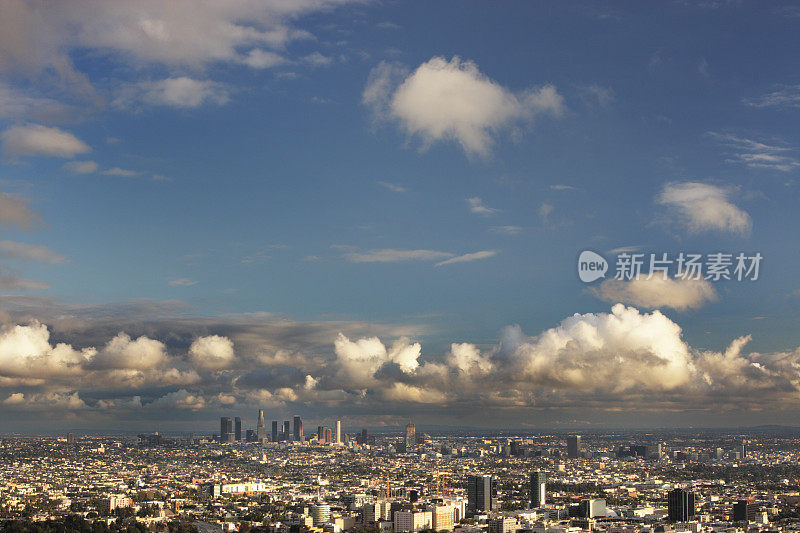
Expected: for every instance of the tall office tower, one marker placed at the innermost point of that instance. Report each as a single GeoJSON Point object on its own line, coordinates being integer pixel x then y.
{"type": "Point", "coordinates": [574, 446]}
{"type": "Point", "coordinates": [481, 493]}
{"type": "Point", "coordinates": [274, 431]}
{"type": "Point", "coordinates": [70, 438]}
{"type": "Point", "coordinates": [680, 504]}
{"type": "Point", "coordinates": [538, 480]}
{"type": "Point", "coordinates": [320, 513]}
{"type": "Point", "coordinates": [328, 436]}
{"type": "Point", "coordinates": [743, 450]}
{"type": "Point", "coordinates": [225, 428]}
{"type": "Point", "coordinates": [237, 425]}
{"type": "Point", "coordinates": [745, 510]}
{"type": "Point", "coordinates": [592, 508]}
{"type": "Point", "coordinates": [364, 436]}
{"type": "Point", "coordinates": [287, 431]}
{"type": "Point", "coordinates": [320, 433]}
{"type": "Point", "coordinates": [261, 429]}
{"type": "Point", "coordinates": [298, 428]}
{"type": "Point", "coordinates": [338, 432]}
{"type": "Point", "coordinates": [411, 432]}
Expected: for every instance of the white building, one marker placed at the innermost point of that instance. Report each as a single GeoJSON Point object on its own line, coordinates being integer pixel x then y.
{"type": "Point", "coordinates": [405, 521]}
{"type": "Point", "coordinates": [503, 525]}
{"type": "Point", "coordinates": [443, 517]}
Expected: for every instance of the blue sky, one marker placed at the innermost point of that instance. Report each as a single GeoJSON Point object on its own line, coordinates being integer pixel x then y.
{"type": "Point", "coordinates": [324, 168]}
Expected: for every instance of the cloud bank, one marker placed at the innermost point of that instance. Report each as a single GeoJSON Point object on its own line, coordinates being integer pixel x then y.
{"type": "Point", "coordinates": [592, 361]}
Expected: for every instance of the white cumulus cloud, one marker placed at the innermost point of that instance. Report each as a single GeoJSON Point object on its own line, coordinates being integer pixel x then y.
{"type": "Point", "coordinates": [657, 292]}
{"type": "Point", "coordinates": [701, 207]}
{"type": "Point", "coordinates": [212, 352]}
{"type": "Point", "coordinates": [38, 140]}
{"type": "Point", "coordinates": [453, 101]}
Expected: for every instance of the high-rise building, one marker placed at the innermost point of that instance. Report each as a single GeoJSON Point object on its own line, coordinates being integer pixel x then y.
{"type": "Point", "coordinates": [412, 520]}
{"type": "Point", "coordinates": [379, 510]}
{"type": "Point", "coordinates": [481, 494]}
{"type": "Point", "coordinates": [70, 438]}
{"type": "Point", "coordinates": [237, 428]}
{"type": "Point", "coordinates": [443, 517]}
{"type": "Point", "coordinates": [298, 428]}
{"type": "Point", "coordinates": [593, 508]}
{"type": "Point", "coordinates": [411, 432]}
{"type": "Point", "coordinates": [328, 436]}
{"type": "Point", "coordinates": [274, 431]}
{"type": "Point", "coordinates": [574, 446]}
{"type": "Point", "coordinates": [261, 430]}
{"type": "Point", "coordinates": [287, 431]}
{"type": "Point", "coordinates": [745, 510]}
{"type": "Point", "coordinates": [680, 504]}
{"type": "Point", "coordinates": [225, 428]}
{"type": "Point", "coordinates": [320, 513]}
{"type": "Point", "coordinates": [538, 492]}
{"type": "Point", "coordinates": [338, 432]}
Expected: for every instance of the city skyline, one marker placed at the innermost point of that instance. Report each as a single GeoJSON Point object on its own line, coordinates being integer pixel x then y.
{"type": "Point", "coordinates": [374, 212]}
{"type": "Point", "coordinates": [463, 483]}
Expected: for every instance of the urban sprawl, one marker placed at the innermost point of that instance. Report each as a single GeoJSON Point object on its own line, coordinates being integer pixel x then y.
{"type": "Point", "coordinates": [278, 479]}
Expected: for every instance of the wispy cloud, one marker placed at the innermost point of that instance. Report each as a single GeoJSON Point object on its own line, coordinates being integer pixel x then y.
{"type": "Point", "coordinates": [545, 210]}
{"type": "Point", "coordinates": [597, 95]}
{"type": "Point", "coordinates": [11, 282]}
{"type": "Point", "coordinates": [477, 207]}
{"type": "Point", "coordinates": [18, 251]}
{"type": "Point", "coordinates": [182, 282]}
{"type": "Point", "coordinates": [392, 255]}
{"type": "Point", "coordinates": [506, 230]}
{"type": "Point", "coordinates": [786, 96]}
{"type": "Point", "coordinates": [757, 154]}
{"type": "Point", "coordinates": [180, 92]}
{"type": "Point", "coordinates": [393, 186]}
{"type": "Point", "coordinates": [15, 212]}
{"type": "Point", "coordinates": [81, 167]}
{"type": "Point", "coordinates": [465, 258]}
{"type": "Point", "coordinates": [120, 172]}
{"type": "Point", "coordinates": [316, 59]}
{"type": "Point", "coordinates": [625, 249]}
